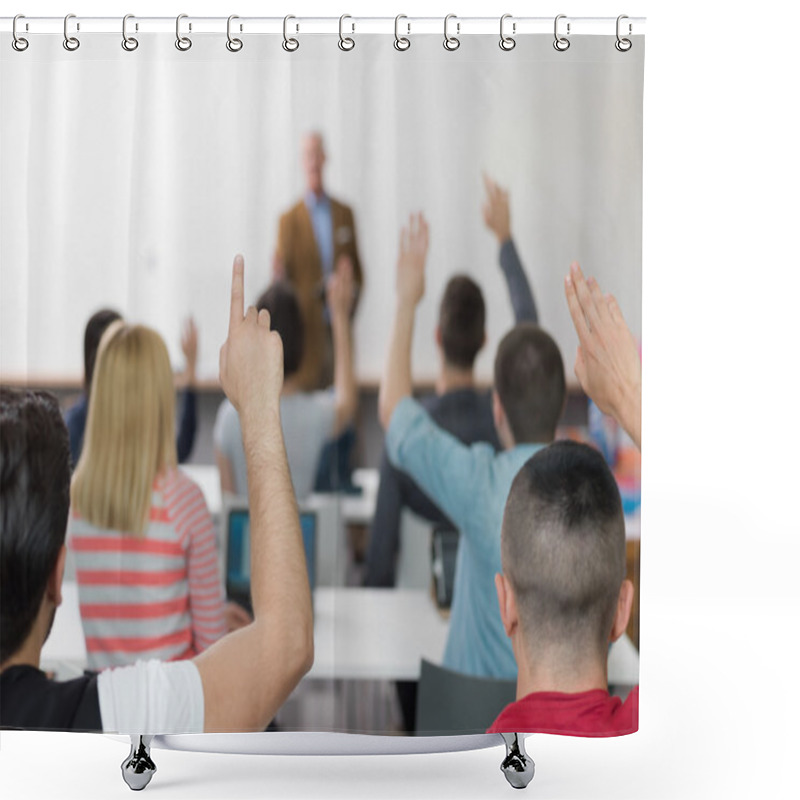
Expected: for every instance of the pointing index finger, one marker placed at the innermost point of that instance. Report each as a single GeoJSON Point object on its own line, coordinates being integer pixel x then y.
{"type": "Point", "coordinates": [237, 293]}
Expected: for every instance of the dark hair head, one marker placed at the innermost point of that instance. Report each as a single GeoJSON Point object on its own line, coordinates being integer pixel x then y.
{"type": "Point", "coordinates": [563, 546]}
{"type": "Point", "coordinates": [95, 328]}
{"type": "Point", "coordinates": [34, 503]}
{"type": "Point", "coordinates": [287, 319]}
{"type": "Point", "coordinates": [462, 321]}
{"type": "Point", "coordinates": [529, 380]}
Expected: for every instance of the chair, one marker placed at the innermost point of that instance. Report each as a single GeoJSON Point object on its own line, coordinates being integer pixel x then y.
{"type": "Point", "coordinates": [450, 702]}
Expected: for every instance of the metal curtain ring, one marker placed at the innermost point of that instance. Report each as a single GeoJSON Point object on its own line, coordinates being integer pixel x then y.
{"type": "Point", "coordinates": [70, 42]}
{"type": "Point", "coordinates": [401, 42]}
{"type": "Point", "coordinates": [561, 43]}
{"type": "Point", "coordinates": [346, 43]}
{"type": "Point", "coordinates": [290, 44]}
{"type": "Point", "coordinates": [233, 44]}
{"type": "Point", "coordinates": [128, 42]}
{"type": "Point", "coordinates": [451, 42]}
{"type": "Point", "coordinates": [623, 44]}
{"type": "Point", "coordinates": [183, 43]}
{"type": "Point", "coordinates": [18, 42]}
{"type": "Point", "coordinates": [507, 42]}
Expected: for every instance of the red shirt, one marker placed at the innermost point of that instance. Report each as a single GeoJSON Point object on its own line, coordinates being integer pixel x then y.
{"type": "Point", "coordinates": [592, 713]}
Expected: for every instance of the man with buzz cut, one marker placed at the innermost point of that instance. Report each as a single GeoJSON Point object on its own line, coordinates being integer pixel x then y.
{"type": "Point", "coordinates": [563, 595]}
{"type": "Point", "coordinates": [239, 682]}
{"type": "Point", "coordinates": [470, 483]}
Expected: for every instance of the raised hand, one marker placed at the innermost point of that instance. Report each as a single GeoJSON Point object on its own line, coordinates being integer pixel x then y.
{"type": "Point", "coordinates": [189, 349]}
{"type": "Point", "coordinates": [607, 363]}
{"type": "Point", "coordinates": [340, 288]}
{"type": "Point", "coordinates": [411, 260]}
{"type": "Point", "coordinates": [496, 212]}
{"type": "Point", "coordinates": [251, 359]}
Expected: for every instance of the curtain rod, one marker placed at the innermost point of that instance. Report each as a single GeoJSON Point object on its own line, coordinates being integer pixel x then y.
{"type": "Point", "coordinates": [459, 26]}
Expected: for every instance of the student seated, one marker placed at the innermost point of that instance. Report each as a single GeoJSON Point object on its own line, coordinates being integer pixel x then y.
{"type": "Point", "coordinates": [470, 484]}
{"type": "Point", "coordinates": [240, 681]}
{"type": "Point", "coordinates": [309, 418]}
{"type": "Point", "coordinates": [75, 416]}
{"type": "Point", "coordinates": [564, 596]}
{"type": "Point", "coordinates": [142, 536]}
{"type": "Point", "coordinates": [457, 406]}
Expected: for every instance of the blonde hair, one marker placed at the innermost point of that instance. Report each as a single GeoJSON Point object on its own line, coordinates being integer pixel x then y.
{"type": "Point", "coordinates": [130, 431]}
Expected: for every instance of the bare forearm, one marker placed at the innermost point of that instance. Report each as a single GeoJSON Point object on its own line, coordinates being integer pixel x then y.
{"type": "Point", "coordinates": [629, 413]}
{"type": "Point", "coordinates": [396, 382]}
{"type": "Point", "coordinates": [279, 579]}
{"type": "Point", "coordinates": [344, 380]}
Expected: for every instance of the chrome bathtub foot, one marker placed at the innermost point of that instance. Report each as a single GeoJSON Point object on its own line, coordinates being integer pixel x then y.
{"type": "Point", "coordinates": [138, 768]}
{"type": "Point", "coordinates": [517, 766]}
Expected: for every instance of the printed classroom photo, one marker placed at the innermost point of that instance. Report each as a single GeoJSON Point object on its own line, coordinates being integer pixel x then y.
{"type": "Point", "coordinates": [321, 387]}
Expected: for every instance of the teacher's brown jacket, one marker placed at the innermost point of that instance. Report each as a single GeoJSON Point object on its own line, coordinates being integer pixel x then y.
{"type": "Point", "coordinates": [297, 250]}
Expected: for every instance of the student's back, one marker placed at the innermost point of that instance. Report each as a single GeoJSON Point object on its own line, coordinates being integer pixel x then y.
{"type": "Point", "coordinates": [154, 596]}
{"type": "Point", "coordinates": [145, 551]}
{"type": "Point", "coordinates": [458, 406]}
{"type": "Point", "coordinates": [238, 683]}
{"type": "Point", "coordinates": [563, 596]}
{"type": "Point", "coordinates": [470, 484]}
{"type": "Point", "coordinates": [307, 419]}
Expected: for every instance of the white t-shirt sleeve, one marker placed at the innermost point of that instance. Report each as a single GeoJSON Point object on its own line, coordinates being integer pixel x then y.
{"type": "Point", "coordinates": [151, 697]}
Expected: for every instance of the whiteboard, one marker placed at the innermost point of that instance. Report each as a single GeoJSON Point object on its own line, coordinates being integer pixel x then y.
{"type": "Point", "coordinates": [131, 180]}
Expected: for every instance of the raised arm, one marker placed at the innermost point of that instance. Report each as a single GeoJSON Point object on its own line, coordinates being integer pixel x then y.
{"type": "Point", "coordinates": [248, 674]}
{"type": "Point", "coordinates": [607, 363]}
{"type": "Point", "coordinates": [341, 295]}
{"type": "Point", "coordinates": [497, 217]}
{"type": "Point", "coordinates": [410, 287]}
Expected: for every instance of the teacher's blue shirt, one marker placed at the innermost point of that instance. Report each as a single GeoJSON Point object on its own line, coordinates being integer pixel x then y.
{"type": "Point", "coordinates": [319, 209]}
{"type": "Point", "coordinates": [470, 485]}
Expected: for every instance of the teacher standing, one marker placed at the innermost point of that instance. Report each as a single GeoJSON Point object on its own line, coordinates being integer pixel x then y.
{"type": "Point", "coordinates": [314, 236]}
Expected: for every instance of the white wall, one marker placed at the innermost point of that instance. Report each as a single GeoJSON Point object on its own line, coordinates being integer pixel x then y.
{"type": "Point", "coordinates": [131, 179]}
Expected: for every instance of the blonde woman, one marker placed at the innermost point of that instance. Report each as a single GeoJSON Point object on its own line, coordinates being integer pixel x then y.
{"type": "Point", "coordinates": [141, 533]}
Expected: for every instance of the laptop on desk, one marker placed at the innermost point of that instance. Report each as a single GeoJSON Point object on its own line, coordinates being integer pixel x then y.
{"type": "Point", "coordinates": [237, 551]}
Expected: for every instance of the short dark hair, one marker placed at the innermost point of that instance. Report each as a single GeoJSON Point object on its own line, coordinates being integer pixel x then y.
{"type": "Point", "coordinates": [529, 380]}
{"type": "Point", "coordinates": [462, 321]}
{"type": "Point", "coordinates": [34, 504]}
{"type": "Point", "coordinates": [285, 318]}
{"type": "Point", "coordinates": [95, 328]}
{"type": "Point", "coordinates": [563, 546]}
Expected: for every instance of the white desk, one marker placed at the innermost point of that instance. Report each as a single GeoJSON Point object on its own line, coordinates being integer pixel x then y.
{"type": "Point", "coordinates": [375, 634]}
{"type": "Point", "coordinates": [359, 634]}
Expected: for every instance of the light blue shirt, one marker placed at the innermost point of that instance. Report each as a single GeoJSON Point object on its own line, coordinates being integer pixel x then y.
{"type": "Point", "coordinates": [470, 485]}
{"type": "Point", "coordinates": [319, 209]}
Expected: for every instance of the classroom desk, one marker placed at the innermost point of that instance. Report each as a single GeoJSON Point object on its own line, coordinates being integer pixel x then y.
{"type": "Point", "coordinates": [359, 634]}
{"type": "Point", "coordinates": [375, 634]}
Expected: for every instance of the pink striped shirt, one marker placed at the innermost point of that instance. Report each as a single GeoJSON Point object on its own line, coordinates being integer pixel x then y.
{"type": "Point", "coordinates": [158, 596]}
